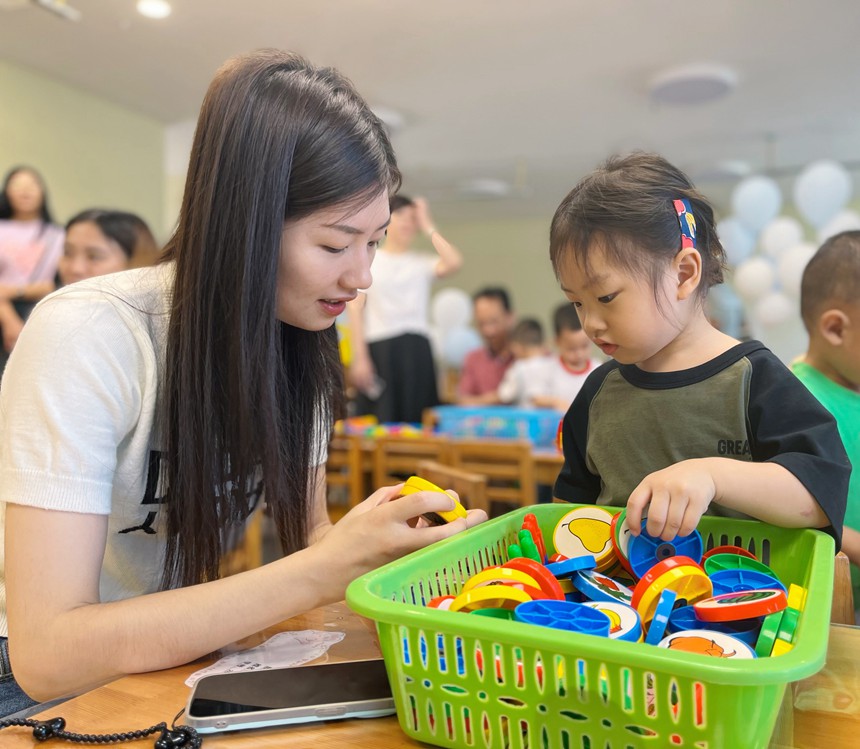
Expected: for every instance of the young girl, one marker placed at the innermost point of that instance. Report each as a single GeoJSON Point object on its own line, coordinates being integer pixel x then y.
{"type": "Point", "coordinates": [144, 414]}
{"type": "Point", "coordinates": [30, 246]}
{"type": "Point", "coordinates": [685, 420]}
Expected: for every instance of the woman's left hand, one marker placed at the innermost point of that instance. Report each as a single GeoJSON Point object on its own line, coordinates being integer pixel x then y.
{"type": "Point", "coordinates": [675, 498]}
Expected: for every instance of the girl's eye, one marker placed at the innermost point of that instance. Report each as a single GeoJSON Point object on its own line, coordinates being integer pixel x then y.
{"type": "Point", "coordinates": [374, 245]}
{"type": "Point", "coordinates": [335, 250]}
{"type": "Point", "coordinates": [577, 304]}
{"type": "Point", "coordinates": [608, 298]}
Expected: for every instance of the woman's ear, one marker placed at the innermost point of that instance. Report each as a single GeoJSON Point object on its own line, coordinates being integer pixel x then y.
{"type": "Point", "coordinates": [687, 268]}
{"type": "Point", "coordinates": [831, 326]}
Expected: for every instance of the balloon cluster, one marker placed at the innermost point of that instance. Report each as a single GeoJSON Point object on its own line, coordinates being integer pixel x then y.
{"type": "Point", "coordinates": [769, 281]}
{"type": "Point", "coordinates": [451, 313]}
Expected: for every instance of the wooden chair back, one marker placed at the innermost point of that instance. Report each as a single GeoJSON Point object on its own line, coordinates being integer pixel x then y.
{"type": "Point", "coordinates": [470, 487]}
{"type": "Point", "coordinates": [343, 467]}
{"type": "Point", "coordinates": [508, 466]}
{"type": "Point", "coordinates": [842, 609]}
{"type": "Point", "coordinates": [395, 459]}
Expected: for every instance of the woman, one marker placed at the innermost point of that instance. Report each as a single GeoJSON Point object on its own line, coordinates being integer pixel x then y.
{"type": "Point", "coordinates": [392, 366]}
{"type": "Point", "coordinates": [99, 242]}
{"type": "Point", "coordinates": [144, 413]}
{"type": "Point", "coordinates": [30, 246]}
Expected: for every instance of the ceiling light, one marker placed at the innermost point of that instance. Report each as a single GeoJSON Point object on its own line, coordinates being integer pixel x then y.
{"type": "Point", "coordinates": [154, 8]}
{"type": "Point", "coordinates": [692, 84]}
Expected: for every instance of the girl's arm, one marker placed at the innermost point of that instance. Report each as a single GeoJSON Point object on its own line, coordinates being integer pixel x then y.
{"type": "Point", "coordinates": [31, 292]}
{"type": "Point", "coordinates": [64, 640]}
{"type": "Point", "coordinates": [677, 497]}
{"type": "Point", "coordinates": [450, 258]}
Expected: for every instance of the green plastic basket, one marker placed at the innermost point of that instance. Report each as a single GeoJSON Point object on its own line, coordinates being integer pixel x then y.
{"type": "Point", "coordinates": [471, 681]}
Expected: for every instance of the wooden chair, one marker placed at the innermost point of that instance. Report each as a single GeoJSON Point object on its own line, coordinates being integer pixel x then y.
{"type": "Point", "coordinates": [248, 554]}
{"type": "Point", "coordinates": [508, 466]}
{"type": "Point", "coordinates": [395, 459]}
{"type": "Point", "coordinates": [471, 487]}
{"type": "Point", "coordinates": [343, 468]}
{"type": "Point", "coordinates": [842, 609]}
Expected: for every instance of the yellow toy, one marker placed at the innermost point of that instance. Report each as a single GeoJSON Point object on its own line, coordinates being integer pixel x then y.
{"type": "Point", "coordinates": [417, 484]}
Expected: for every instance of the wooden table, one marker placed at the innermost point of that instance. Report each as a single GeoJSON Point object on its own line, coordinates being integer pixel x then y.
{"type": "Point", "coordinates": [822, 711]}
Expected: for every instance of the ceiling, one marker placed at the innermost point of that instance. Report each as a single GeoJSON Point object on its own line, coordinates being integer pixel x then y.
{"type": "Point", "coordinates": [534, 93]}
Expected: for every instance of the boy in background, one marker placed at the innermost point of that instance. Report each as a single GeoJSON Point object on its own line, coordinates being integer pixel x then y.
{"type": "Point", "coordinates": [566, 373]}
{"type": "Point", "coordinates": [525, 377]}
{"type": "Point", "coordinates": [830, 306]}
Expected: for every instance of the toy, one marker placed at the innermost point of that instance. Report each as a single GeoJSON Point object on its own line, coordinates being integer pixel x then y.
{"type": "Point", "coordinates": [574, 617]}
{"type": "Point", "coordinates": [644, 550]}
{"type": "Point", "coordinates": [586, 530]}
{"type": "Point", "coordinates": [417, 484]}
{"type": "Point", "coordinates": [708, 642]}
{"type": "Point", "coordinates": [744, 605]}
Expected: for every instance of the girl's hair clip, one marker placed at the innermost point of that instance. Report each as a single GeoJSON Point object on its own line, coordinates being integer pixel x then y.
{"type": "Point", "coordinates": [686, 221]}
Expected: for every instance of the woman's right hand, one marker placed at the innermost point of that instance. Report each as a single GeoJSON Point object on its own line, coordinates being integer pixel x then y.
{"type": "Point", "coordinates": [381, 529]}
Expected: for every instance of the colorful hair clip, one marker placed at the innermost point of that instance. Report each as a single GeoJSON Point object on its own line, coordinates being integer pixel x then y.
{"type": "Point", "coordinates": [687, 222]}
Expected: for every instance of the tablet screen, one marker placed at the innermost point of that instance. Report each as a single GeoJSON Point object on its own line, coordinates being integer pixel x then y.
{"type": "Point", "coordinates": [328, 683]}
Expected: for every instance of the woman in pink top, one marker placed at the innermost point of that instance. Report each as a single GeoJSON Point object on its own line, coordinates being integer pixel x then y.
{"type": "Point", "coordinates": [30, 247]}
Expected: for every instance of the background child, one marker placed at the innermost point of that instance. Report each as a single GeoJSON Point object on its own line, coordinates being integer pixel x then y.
{"type": "Point", "coordinates": [830, 306]}
{"type": "Point", "coordinates": [685, 420]}
{"type": "Point", "coordinates": [566, 373]}
{"type": "Point", "coordinates": [525, 376]}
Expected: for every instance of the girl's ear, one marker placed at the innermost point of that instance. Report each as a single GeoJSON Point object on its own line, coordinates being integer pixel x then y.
{"type": "Point", "coordinates": [687, 269]}
{"type": "Point", "coordinates": [831, 326]}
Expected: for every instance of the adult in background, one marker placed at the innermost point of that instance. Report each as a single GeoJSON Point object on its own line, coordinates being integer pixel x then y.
{"type": "Point", "coordinates": [484, 368]}
{"type": "Point", "coordinates": [392, 366]}
{"type": "Point", "coordinates": [30, 247]}
{"type": "Point", "coordinates": [99, 242]}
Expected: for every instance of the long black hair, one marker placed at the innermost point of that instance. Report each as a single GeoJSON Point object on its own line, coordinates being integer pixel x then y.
{"type": "Point", "coordinates": [6, 210]}
{"type": "Point", "coordinates": [247, 397]}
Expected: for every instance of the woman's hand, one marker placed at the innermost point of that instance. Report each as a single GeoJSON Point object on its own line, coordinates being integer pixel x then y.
{"type": "Point", "coordinates": [422, 215]}
{"type": "Point", "coordinates": [675, 498]}
{"type": "Point", "coordinates": [362, 374]}
{"type": "Point", "coordinates": [381, 529]}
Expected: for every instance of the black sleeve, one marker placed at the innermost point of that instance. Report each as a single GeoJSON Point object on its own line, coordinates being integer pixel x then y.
{"type": "Point", "coordinates": [575, 483]}
{"type": "Point", "coordinates": [790, 427]}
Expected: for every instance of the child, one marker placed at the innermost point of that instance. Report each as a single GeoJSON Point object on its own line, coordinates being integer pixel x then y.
{"type": "Point", "coordinates": [528, 371]}
{"type": "Point", "coordinates": [830, 306]}
{"type": "Point", "coordinates": [566, 373]}
{"type": "Point", "coordinates": [685, 420]}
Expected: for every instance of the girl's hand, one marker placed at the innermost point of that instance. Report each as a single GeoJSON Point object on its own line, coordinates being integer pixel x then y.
{"type": "Point", "coordinates": [675, 499]}
{"type": "Point", "coordinates": [381, 529]}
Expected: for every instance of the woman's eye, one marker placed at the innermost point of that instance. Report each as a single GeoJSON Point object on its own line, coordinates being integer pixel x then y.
{"type": "Point", "coordinates": [608, 298]}
{"type": "Point", "coordinates": [334, 249]}
{"type": "Point", "coordinates": [374, 245]}
{"type": "Point", "coordinates": [577, 304]}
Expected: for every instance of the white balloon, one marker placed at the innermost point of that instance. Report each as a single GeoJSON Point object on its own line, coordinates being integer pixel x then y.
{"type": "Point", "coordinates": [773, 309]}
{"type": "Point", "coordinates": [451, 308]}
{"type": "Point", "coordinates": [736, 240]}
{"type": "Point", "coordinates": [821, 190]}
{"type": "Point", "coordinates": [754, 278]}
{"type": "Point", "coordinates": [789, 267]}
{"type": "Point", "coordinates": [756, 201]}
{"type": "Point", "coordinates": [458, 342]}
{"type": "Point", "coordinates": [780, 234]}
{"type": "Point", "coordinates": [847, 220]}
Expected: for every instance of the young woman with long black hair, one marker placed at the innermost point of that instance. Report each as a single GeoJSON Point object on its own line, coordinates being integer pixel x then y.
{"type": "Point", "coordinates": [144, 414]}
